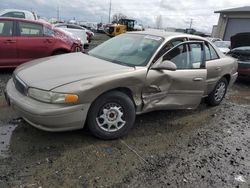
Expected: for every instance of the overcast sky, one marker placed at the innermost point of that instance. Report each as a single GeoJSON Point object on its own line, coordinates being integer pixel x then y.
{"type": "Point", "coordinates": [175, 13]}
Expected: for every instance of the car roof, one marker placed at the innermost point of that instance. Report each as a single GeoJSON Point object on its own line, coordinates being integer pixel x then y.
{"type": "Point", "coordinates": [26, 20]}
{"type": "Point", "coordinates": [167, 35]}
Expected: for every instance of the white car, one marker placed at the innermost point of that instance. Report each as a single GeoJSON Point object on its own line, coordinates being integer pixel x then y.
{"type": "Point", "coordinates": [224, 46]}
{"type": "Point", "coordinates": [16, 13]}
{"type": "Point", "coordinates": [77, 34]}
{"type": "Point", "coordinates": [89, 33]}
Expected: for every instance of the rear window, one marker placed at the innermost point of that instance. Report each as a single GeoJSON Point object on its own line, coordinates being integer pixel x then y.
{"type": "Point", "coordinates": [6, 28]}
{"type": "Point", "coordinates": [30, 29]}
{"type": "Point", "coordinates": [14, 15]}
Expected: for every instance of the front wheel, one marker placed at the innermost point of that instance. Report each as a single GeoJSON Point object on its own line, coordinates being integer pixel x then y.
{"type": "Point", "coordinates": [111, 116]}
{"type": "Point", "coordinates": [219, 92]}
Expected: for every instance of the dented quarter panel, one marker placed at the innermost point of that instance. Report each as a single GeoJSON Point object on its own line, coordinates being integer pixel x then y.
{"type": "Point", "coordinates": [218, 68]}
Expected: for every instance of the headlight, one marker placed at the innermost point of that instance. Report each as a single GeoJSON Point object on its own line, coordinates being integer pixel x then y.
{"type": "Point", "coordinates": [51, 97]}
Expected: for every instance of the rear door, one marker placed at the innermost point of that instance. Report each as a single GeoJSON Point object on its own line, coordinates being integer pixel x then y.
{"type": "Point", "coordinates": [8, 45]}
{"type": "Point", "coordinates": [214, 67]}
{"type": "Point", "coordinates": [32, 43]}
{"type": "Point", "coordinates": [178, 89]}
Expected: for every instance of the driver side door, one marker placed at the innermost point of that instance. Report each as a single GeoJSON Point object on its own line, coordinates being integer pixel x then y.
{"type": "Point", "coordinates": [181, 88]}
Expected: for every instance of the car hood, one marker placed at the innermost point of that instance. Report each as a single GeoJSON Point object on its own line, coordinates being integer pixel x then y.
{"type": "Point", "coordinates": [240, 39]}
{"type": "Point", "coordinates": [51, 72]}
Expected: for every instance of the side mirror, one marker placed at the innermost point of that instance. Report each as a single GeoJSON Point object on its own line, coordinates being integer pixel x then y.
{"type": "Point", "coordinates": [164, 65]}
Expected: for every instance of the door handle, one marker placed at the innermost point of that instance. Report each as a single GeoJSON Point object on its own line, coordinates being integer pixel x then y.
{"type": "Point", "coordinates": [218, 68]}
{"type": "Point", "coordinates": [9, 41]}
{"type": "Point", "coordinates": [198, 79]}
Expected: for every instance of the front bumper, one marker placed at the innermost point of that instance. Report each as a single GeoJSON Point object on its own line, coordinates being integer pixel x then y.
{"type": "Point", "coordinates": [233, 79]}
{"type": "Point", "coordinates": [48, 117]}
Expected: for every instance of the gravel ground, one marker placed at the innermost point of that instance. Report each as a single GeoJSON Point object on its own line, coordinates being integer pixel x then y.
{"type": "Point", "coordinates": [206, 147]}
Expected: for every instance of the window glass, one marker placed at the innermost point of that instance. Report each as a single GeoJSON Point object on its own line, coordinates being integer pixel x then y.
{"type": "Point", "coordinates": [30, 29]}
{"type": "Point", "coordinates": [186, 56]}
{"type": "Point", "coordinates": [213, 52]}
{"type": "Point", "coordinates": [136, 49]}
{"type": "Point", "coordinates": [176, 42]}
{"type": "Point", "coordinates": [6, 28]}
{"type": "Point", "coordinates": [48, 32]}
{"type": "Point", "coordinates": [14, 15]}
{"type": "Point", "coordinates": [179, 56]}
{"type": "Point", "coordinates": [195, 56]}
{"type": "Point", "coordinates": [208, 53]}
{"type": "Point", "coordinates": [167, 47]}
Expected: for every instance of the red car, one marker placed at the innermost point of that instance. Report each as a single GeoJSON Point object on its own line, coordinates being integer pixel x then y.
{"type": "Point", "coordinates": [24, 40]}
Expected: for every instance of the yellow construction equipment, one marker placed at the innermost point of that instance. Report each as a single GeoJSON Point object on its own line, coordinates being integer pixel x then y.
{"type": "Point", "coordinates": [123, 25]}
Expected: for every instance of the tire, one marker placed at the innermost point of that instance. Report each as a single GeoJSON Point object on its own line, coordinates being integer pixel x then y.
{"type": "Point", "coordinates": [59, 53]}
{"type": "Point", "coordinates": [219, 92]}
{"type": "Point", "coordinates": [111, 115]}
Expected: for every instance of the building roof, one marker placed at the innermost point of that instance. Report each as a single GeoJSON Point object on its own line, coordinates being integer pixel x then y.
{"type": "Point", "coordinates": [235, 10]}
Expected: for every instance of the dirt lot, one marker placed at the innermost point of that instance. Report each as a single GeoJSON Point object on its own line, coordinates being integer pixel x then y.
{"type": "Point", "coordinates": [206, 147]}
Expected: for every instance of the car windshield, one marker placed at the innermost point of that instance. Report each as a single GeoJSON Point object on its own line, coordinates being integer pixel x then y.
{"type": "Point", "coordinates": [222, 44]}
{"type": "Point", "coordinates": [128, 49]}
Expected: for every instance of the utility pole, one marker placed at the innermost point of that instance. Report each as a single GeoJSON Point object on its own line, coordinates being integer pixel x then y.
{"type": "Point", "coordinates": [109, 10]}
{"type": "Point", "coordinates": [191, 23]}
{"type": "Point", "coordinates": [58, 13]}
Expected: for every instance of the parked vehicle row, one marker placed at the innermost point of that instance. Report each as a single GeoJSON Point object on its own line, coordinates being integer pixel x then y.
{"type": "Point", "coordinates": [107, 87]}
{"type": "Point", "coordinates": [22, 40]}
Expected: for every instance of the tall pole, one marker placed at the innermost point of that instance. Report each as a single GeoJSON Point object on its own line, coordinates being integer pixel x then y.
{"type": "Point", "coordinates": [191, 23]}
{"type": "Point", "coordinates": [109, 10]}
{"type": "Point", "coordinates": [57, 13]}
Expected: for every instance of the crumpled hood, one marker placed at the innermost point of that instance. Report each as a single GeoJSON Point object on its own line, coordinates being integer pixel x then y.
{"type": "Point", "coordinates": [51, 72]}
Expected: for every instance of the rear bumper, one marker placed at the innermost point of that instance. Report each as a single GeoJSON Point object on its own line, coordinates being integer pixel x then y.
{"type": "Point", "coordinates": [44, 116]}
{"type": "Point", "coordinates": [244, 74]}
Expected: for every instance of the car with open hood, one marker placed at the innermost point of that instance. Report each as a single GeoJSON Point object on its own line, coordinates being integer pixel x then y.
{"type": "Point", "coordinates": [130, 74]}
{"type": "Point", "coordinates": [241, 51]}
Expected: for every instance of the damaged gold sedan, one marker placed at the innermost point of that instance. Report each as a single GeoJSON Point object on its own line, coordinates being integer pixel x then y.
{"type": "Point", "coordinates": [130, 74]}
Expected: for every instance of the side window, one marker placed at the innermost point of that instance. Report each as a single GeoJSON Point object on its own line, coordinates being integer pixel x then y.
{"type": "Point", "coordinates": [187, 56]}
{"type": "Point", "coordinates": [6, 28]}
{"type": "Point", "coordinates": [214, 54]}
{"type": "Point", "coordinates": [179, 56]}
{"type": "Point", "coordinates": [195, 56]}
{"type": "Point", "coordinates": [48, 32]}
{"type": "Point", "coordinates": [208, 53]}
{"type": "Point", "coordinates": [14, 15]}
{"type": "Point", "coordinates": [30, 30]}
{"type": "Point", "coordinates": [168, 46]}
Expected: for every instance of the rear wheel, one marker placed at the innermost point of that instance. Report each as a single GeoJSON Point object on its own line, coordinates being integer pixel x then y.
{"type": "Point", "coordinates": [111, 116]}
{"type": "Point", "coordinates": [219, 92]}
